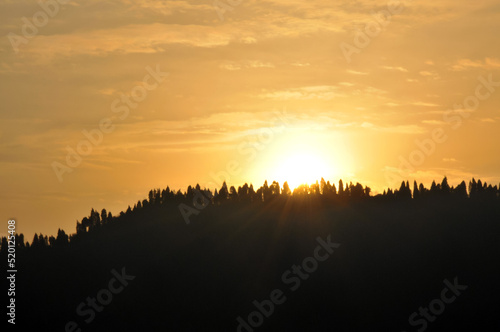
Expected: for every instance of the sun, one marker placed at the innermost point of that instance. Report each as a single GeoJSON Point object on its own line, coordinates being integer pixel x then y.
{"type": "Point", "coordinates": [303, 157]}
{"type": "Point", "coordinates": [304, 166]}
{"type": "Point", "coordinates": [301, 168]}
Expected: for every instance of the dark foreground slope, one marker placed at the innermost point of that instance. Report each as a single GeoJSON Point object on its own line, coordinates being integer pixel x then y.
{"type": "Point", "coordinates": [392, 260]}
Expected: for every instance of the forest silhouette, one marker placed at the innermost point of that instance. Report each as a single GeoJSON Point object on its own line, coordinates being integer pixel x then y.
{"type": "Point", "coordinates": [202, 260]}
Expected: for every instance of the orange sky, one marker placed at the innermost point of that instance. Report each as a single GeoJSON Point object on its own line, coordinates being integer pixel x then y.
{"type": "Point", "coordinates": [265, 90]}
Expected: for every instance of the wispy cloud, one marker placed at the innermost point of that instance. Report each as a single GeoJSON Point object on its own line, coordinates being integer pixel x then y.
{"type": "Point", "coordinates": [429, 74]}
{"type": "Point", "coordinates": [487, 63]}
{"type": "Point", "coordinates": [246, 65]}
{"type": "Point", "coordinates": [399, 129]}
{"type": "Point", "coordinates": [322, 92]}
{"type": "Point", "coordinates": [421, 103]}
{"type": "Point", "coordinates": [401, 69]}
{"type": "Point", "coordinates": [355, 72]}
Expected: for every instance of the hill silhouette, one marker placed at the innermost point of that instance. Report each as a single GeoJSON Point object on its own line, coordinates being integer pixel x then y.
{"type": "Point", "coordinates": [320, 258]}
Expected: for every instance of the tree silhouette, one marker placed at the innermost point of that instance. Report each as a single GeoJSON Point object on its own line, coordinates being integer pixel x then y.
{"type": "Point", "coordinates": [243, 193]}
{"type": "Point", "coordinates": [404, 191]}
{"type": "Point", "coordinates": [341, 188]}
{"type": "Point", "coordinates": [104, 216]}
{"type": "Point", "coordinates": [445, 187]}
{"type": "Point", "coordinates": [35, 243]}
{"type": "Point", "coordinates": [416, 193]}
{"type": "Point", "coordinates": [286, 189]}
{"type": "Point", "coordinates": [62, 239]}
{"type": "Point", "coordinates": [265, 194]}
{"type": "Point", "coordinates": [233, 194]}
{"type": "Point", "coordinates": [274, 189]}
{"type": "Point", "coordinates": [368, 191]}
{"type": "Point", "coordinates": [461, 190]}
{"type": "Point", "coordinates": [223, 194]}
{"type": "Point", "coordinates": [4, 245]}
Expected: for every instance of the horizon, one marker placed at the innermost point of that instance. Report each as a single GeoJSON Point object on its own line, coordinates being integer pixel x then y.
{"type": "Point", "coordinates": [184, 210]}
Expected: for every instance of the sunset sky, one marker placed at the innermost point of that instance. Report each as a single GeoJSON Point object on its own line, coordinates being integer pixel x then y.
{"type": "Point", "coordinates": [271, 89]}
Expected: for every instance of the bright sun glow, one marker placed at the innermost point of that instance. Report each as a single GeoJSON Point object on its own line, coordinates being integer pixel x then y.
{"type": "Point", "coordinates": [301, 168]}
{"type": "Point", "coordinates": [301, 157]}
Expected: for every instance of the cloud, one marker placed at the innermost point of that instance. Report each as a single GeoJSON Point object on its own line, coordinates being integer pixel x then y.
{"type": "Point", "coordinates": [354, 72]}
{"type": "Point", "coordinates": [168, 7]}
{"type": "Point", "coordinates": [301, 64]}
{"type": "Point", "coordinates": [399, 129]}
{"type": "Point", "coordinates": [488, 63]}
{"type": "Point", "coordinates": [401, 69]}
{"type": "Point", "coordinates": [435, 122]}
{"type": "Point", "coordinates": [421, 103]}
{"type": "Point", "coordinates": [488, 120]}
{"type": "Point", "coordinates": [429, 74]}
{"type": "Point", "coordinates": [321, 92]}
{"type": "Point", "coordinates": [108, 91]}
{"type": "Point", "coordinates": [246, 65]}
{"type": "Point", "coordinates": [145, 38]}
